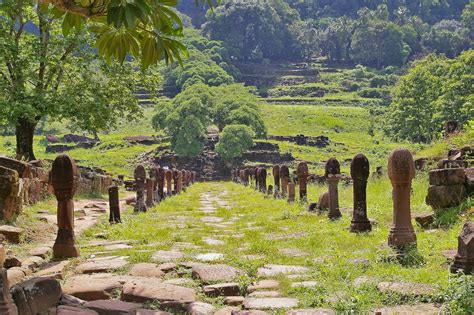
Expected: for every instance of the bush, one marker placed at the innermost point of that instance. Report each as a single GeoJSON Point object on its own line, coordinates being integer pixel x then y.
{"type": "Point", "coordinates": [234, 141]}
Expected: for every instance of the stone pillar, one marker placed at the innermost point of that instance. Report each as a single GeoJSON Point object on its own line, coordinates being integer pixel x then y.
{"type": "Point", "coordinates": [284, 177]}
{"type": "Point", "coordinates": [252, 176]}
{"type": "Point", "coordinates": [464, 260]}
{"type": "Point", "coordinates": [169, 182]}
{"type": "Point", "coordinates": [179, 182]}
{"type": "Point", "coordinates": [64, 178]}
{"type": "Point", "coordinates": [175, 180]}
{"type": "Point", "coordinates": [114, 205]}
{"type": "Point", "coordinates": [401, 171]}
{"type": "Point", "coordinates": [154, 177]}
{"type": "Point", "coordinates": [302, 173]}
{"type": "Point", "coordinates": [291, 192]}
{"type": "Point", "coordinates": [360, 171]}
{"type": "Point", "coordinates": [263, 180]}
{"type": "Point", "coordinates": [161, 183]}
{"type": "Point", "coordinates": [246, 176]}
{"type": "Point", "coordinates": [7, 307]}
{"type": "Point", "coordinates": [257, 178]}
{"type": "Point", "coordinates": [276, 179]}
{"type": "Point", "coordinates": [183, 180]}
{"type": "Point", "coordinates": [149, 192]}
{"type": "Point", "coordinates": [140, 178]}
{"type": "Point", "coordinates": [333, 175]}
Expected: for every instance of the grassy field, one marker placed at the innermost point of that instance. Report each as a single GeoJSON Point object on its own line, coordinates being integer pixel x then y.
{"type": "Point", "coordinates": [327, 246]}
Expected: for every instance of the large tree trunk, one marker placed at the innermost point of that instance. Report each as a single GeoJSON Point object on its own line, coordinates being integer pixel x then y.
{"type": "Point", "coordinates": [25, 130]}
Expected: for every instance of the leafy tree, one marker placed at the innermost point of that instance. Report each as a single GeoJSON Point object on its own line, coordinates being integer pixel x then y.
{"type": "Point", "coordinates": [250, 117]}
{"type": "Point", "coordinates": [146, 29]}
{"type": "Point", "coordinates": [234, 141]}
{"type": "Point", "coordinates": [222, 105]}
{"type": "Point", "coordinates": [435, 90]}
{"type": "Point", "coordinates": [468, 18]}
{"type": "Point", "coordinates": [191, 137]}
{"type": "Point", "coordinates": [253, 30]}
{"type": "Point", "coordinates": [46, 74]}
{"type": "Point", "coordinates": [447, 37]}
{"type": "Point", "coordinates": [379, 44]}
{"type": "Point", "coordinates": [335, 40]}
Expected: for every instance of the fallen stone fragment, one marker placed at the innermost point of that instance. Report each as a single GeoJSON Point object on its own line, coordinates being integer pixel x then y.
{"type": "Point", "coordinates": [167, 267]}
{"type": "Point", "coordinates": [273, 270]}
{"type": "Point", "coordinates": [12, 234]}
{"type": "Point", "coordinates": [222, 289]}
{"type": "Point", "coordinates": [167, 256]}
{"type": "Point", "coordinates": [54, 269]}
{"type": "Point", "coordinates": [69, 300]}
{"type": "Point", "coordinates": [149, 290]}
{"type": "Point", "coordinates": [234, 300]}
{"type": "Point", "coordinates": [424, 220]}
{"type": "Point", "coordinates": [270, 303]}
{"type": "Point", "coordinates": [11, 261]}
{"type": "Point", "coordinates": [113, 307]}
{"type": "Point", "coordinates": [42, 251]}
{"type": "Point", "coordinates": [146, 270]}
{"type": "Point", "coordinates": [215, 273]}
{"type": "Point", "coordinates": [406, 288]}
{"type": "Point", "coordinates": [102, 264]}
{"type": "Point", "coordinates": [32, 262]}
{"type": "Point", "coordinates": [316, 311]}
{"type": "Point", "coordinates": [36, 295]}
{"type": "Point", "coordinates": [360, 262]}
{"type": "Point", "coordinates": [92, 287]}
{"type": "Point", "coordinates": [72, 310]}
{"type": "Point", "coordinates": [200, 308]}
{"type": "Point", "coordinates": [15, 275]}
{"type": "Point", "coordinates": [263, 285]}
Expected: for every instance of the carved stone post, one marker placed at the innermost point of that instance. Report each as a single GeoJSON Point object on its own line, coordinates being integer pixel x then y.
{"type": "Point", "coordinates": [284, 177]}
{"type": "Point", "coordinates": [246, 176]}
{"type": "Point", "coordinates": [360, 172]}
{"type": "Point", "coordinates": [333, 175]}
{"type": "Point", "coordinates": [291, 192]}
{"type": "Point", "coordinates": [160, 177]}
{"type": "Point", "coordinates": [464, 260]}
{"type": "Point", "coordinates": [276, 179]}
{"type": "Point", "coordinates": [257, 178]}
{"type": "Point", "coordinates": [7, 307]}
{"type": "Point", "coordinates": [303, 173]}
{"type": "Point", "coordinates": [252, 176]}
{"type": "Point", "coordinates": [140, 177]}
{"type": "Point", "coordinates": [180, 182]}
{"type": "Point", "coordinates": [154, 175]}
{"type": "Point", "coordinates": [175, 180]}
{"type": "Point", "coordinates": [149, 192]}
{"type": "Point", "coordinates": [169, 182]}
{"type": "Point", "coordinates": [114, 205]}
{"type": "Point", "coordinates": [64, 178]}
{"type": "Point", "coordinates": [401, 171]}
{"type": "Point", "coordinates": [263, 180]}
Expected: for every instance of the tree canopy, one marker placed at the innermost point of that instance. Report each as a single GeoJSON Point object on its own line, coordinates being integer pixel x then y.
{"type": "Point", "coordinates": [234, 141]}
{"type": "Point", "coordinates": [435, 90]}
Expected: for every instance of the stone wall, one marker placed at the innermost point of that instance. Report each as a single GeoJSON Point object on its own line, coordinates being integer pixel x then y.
{"type": "Point", "coordinates": [24, 183]}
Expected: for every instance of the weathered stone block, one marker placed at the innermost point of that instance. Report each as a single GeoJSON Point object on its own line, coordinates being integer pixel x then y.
{"type": "Point", "coordinates": [447, 177]}
{"type": "Point", "coordinates": [36, 295]}
{"type": "Point", "coordinates": [440, 197]}
{"type": "Point", "coordinates": [10, 201]}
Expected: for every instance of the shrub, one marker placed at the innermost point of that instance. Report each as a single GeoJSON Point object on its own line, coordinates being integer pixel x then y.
{"type": "Point", "coordinates": [234, 141]}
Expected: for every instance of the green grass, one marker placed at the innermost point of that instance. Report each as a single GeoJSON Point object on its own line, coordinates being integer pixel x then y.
{"type": "Point", "coordinates": [177, 220]}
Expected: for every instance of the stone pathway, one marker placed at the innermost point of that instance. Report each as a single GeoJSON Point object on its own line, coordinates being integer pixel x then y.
{"type": "Point", "coordinates": [190, 274]}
